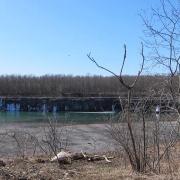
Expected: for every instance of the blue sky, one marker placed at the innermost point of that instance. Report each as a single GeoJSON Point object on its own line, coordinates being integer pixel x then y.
{"type": "Point", "coordinates": [53, 36]}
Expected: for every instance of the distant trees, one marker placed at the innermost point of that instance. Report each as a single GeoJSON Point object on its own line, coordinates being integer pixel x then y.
{"type": "Point", "coordinates": [79, 86]}
{"type": "Point", "coordinates": [61, 85]}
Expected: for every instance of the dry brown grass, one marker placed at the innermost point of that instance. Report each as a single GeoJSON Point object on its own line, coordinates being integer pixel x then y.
{"type": "Point", "coordinates": [41, 168]}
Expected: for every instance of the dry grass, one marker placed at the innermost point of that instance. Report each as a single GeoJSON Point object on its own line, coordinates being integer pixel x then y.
{"type": "Point", "coordinates": [41, 168]}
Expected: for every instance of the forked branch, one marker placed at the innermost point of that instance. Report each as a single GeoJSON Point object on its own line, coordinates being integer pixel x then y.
{"type": "Point", "coordinates": [120, 76]}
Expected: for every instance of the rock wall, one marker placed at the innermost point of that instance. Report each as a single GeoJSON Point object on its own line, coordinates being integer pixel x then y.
{"type": "Point", "coordinates": [34, 104]}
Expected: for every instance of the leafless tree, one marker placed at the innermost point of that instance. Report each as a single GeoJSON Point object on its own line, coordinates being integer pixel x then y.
{"type": "Point", "coordinates": [145, 137]}
{"type": "Point", "coordinates": [133, 157]}
{"type": "Point", "coordinates": [56, 137]}
{"type": "Point", "coordinates": [162, 30]}
{"type": "Point", "coordinates": [26, 143]}
{"type": "Point", "coordinates": [164, 42]}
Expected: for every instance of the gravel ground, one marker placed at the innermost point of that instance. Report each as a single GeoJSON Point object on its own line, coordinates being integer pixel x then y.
{"type": "Point", "coordinates": [90, 137]}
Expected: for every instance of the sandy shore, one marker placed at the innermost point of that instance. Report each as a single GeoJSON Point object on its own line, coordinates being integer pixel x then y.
{"type": "Point", "coordinates": [89, 137]}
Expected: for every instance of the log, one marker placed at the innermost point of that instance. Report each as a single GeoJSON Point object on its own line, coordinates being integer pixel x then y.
{"type": "Point", "coordinates": [78, 156]}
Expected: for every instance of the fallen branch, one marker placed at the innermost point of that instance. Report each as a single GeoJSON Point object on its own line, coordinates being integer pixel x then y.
{"type": "Point", "coordinates": [67, 157]}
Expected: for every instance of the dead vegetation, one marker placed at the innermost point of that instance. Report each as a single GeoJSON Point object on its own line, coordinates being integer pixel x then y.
{"type": "Point", "coordinates": [40, 167]}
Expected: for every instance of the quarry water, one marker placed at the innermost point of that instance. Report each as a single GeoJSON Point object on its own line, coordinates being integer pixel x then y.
{"type": "Point", "coordinates": [71, 117]}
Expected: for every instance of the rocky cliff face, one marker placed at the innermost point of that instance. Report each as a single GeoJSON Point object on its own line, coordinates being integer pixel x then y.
{"type": "Point", "coordinates": [34, 104]}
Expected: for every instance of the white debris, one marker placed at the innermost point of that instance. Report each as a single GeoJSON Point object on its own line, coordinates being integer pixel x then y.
{"type": "Point", "coordinates": [61, 156]}
{"type": "Point", "coordinates": [106, 159]}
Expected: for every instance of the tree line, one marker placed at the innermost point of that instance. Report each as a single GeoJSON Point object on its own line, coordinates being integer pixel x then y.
{"type": "Point", "coordinates": [78, 86]}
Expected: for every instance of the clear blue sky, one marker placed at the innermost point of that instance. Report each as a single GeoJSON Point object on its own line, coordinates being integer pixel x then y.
{"type": "Point", "coordinates": [53, 36]}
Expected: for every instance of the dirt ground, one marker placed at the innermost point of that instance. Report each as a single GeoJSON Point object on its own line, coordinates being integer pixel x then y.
{"type": "Point", "coordinates": [40, 168]}
{"type": "Point", "coordinates": [90, 137]}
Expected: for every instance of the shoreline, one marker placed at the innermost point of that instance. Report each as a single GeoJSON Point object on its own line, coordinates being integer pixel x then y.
{"type": "Point", "coordinates": [89, 138]}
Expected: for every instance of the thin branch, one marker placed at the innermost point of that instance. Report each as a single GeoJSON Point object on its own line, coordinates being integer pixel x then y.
{"type": "Point", "coordinates": [101, 67]}
{"type": "Point", "coordinates": [120, 77]}
{"type": "Point", "coordinates": [124, 59]}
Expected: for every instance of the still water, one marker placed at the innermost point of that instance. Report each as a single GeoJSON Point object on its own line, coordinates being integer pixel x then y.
{"type": "Point", "coordinates": [74, 117]}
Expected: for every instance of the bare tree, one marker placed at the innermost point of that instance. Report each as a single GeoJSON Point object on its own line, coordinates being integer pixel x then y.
{"type": "Point", "coordinates": [164, 43]}
{"type": "Point", "coordinates": [56, 137]}
{"type": "Point", "coordinates": [145, 137]}
{"type": "Point", "coordinates": [26, 143]}
{"type": "Point", "coordinates": [133, 157]}
{"type": "Point", "coordinates": [163, 39]}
